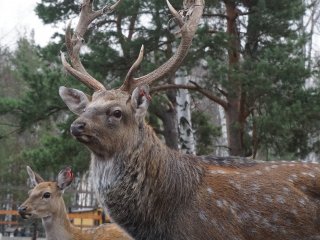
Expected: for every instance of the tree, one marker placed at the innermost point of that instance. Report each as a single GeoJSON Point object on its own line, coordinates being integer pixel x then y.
{"type": "Point", "coordinates": [254, 64]}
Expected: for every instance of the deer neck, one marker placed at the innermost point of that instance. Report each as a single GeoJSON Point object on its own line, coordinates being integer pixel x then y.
{"type": "Point", "coordinates": [57, 226]}
{"type": "Point", "coordinates": [145, 175]}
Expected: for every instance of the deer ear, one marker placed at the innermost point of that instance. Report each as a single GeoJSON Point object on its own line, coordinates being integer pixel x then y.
{"type": "Point", "coordinates": [65, 178]}
{"type": "Point", "coordinates": [34, 177]}
{"type": "Point", "coordinates": [140, 100]}
{"type": "Point", "coordinates": [76, 100]}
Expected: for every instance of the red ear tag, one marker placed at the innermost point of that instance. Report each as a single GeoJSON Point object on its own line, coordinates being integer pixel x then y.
{"type": "Point", "coordinates": [69, 174]}
{"type": "Point", "coordinates": [143, 93]}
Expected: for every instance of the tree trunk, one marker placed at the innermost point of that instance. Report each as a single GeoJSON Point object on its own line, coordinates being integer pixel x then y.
{"type": "Point", "coordinates": [234, 122]}
{"type": "Point", "coordinates": [234, 130]}
{"type": "Point", "coordinates": [169, 120]}
{"type": "Point", "coordinates": [186, 137]}
{"type": "Point", "coordinates": [166, 111]}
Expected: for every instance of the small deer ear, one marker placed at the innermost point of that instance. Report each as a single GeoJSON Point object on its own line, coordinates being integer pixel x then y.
{"type": "Point", "coordinates": [75, 99]}
{"type": "Point", "coordinates": [65, 178]}
{"type": "Point", "coordinates": [35, 178]}
{"type": "Point", "coordinates": [140, 100]}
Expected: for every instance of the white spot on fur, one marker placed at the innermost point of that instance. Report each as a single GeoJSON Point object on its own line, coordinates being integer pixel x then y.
{"type": "Point", "coordinates": [255, 187]}
{"type": "Point", "coordinates": [268, 198]}
{"type": "Point", "coordinates": [280, 199]}
{"type": "Point", "coordinates": [217, 171]}
{"type": "Point", "coordinates": [311, 175]}
{"type": "Point", "coordinates": [209, 189]}
{"type": "Point", "coordinates": [237, 186]}
{"type": "Point", "coordinates": [203, 216]}
{"type": "Point", "coordinates": [219, 203]}
{"type": "Point", "coordinates": [286, 190]}
{"type": "Point", "coordinates": [294, 176]}
{"type": "Point", "coordinates": [274, 166]}
{"type": "Point", "coordinates": [267, 168]}
{"type": "Point", "coordinates": [225, 203]}
{"type": "Point", "coordinates": [302, 201]}
{"type": "Point", "coordinates": [258, 172]}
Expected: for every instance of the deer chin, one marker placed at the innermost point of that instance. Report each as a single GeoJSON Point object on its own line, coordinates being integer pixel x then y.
{"type": "Point", "coordinates": [84, 138]}
{"type": "Point", "coordinates": [26, 215]}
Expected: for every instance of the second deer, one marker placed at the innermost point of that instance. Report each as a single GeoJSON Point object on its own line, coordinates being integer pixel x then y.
{"type": "Point", "coordinates": [45, 201]}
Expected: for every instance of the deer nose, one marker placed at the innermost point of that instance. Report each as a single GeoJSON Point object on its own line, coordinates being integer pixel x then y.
{"type": "Point", "coordinates": [22, 210]}
{"type": "Point", "coordinates": [77, 128]}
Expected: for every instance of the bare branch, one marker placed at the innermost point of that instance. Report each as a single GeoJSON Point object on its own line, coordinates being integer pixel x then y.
{"type": "Point", "coordinates": [194, 87]}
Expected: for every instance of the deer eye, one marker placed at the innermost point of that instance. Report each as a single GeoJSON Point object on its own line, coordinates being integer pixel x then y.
{"type": "Point", "coordinates": [46, 195]}
{"type": "Point", "coordinates": [117, 114]}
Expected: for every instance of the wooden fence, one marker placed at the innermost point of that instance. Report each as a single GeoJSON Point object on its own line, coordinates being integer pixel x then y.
{"type": "Point", "coordinates": [80, 218]}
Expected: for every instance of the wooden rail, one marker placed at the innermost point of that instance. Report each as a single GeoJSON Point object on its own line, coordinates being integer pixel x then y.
{"type": "Point", "coordinates": [90, 215]}
{"type": "Point", "coordinates": [93, 216]}
{"type": "Point", "coordinates": [9, 212]}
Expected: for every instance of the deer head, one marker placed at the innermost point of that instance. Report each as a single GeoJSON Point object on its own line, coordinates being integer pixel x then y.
{"type": "Point", "coordinates": [45, 199]}
{"type": "Point", "coordinates": [46, 202]}
{"type": "Point", "coordinates": [111, 119]}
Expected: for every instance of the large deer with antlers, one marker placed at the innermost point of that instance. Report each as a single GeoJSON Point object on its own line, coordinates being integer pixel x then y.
{"type": "Point", "coordinates": [154, 192]}
{"type": "Point", "coordinates": [46, 202]}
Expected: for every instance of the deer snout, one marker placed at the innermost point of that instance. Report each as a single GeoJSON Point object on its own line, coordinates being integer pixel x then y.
{"type": "Point", "coordinates": [77, 128]}
{"type": "Point", "coordinates": [23, 212]}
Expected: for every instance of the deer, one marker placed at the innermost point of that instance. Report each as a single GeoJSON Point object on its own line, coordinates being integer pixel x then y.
{"type": "Point", "coordinates": [154, 192]}
{"type": "Point", "coordinates": [45, 201]}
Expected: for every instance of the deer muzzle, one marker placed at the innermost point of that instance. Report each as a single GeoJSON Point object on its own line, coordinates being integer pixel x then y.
{"type": "Point", "coordinates": [23, 212]}
{"type": "Point", "coordinates": [79, 131]}
{"type": "Point", "coordinates": [77, 128]}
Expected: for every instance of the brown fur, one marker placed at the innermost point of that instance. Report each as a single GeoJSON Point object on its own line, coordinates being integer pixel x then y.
{"type": "Point", "coordinates": [154, 192]}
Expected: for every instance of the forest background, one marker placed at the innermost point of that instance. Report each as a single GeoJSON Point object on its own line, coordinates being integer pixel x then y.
{"type": "Point", "coordinates": [248, 87]}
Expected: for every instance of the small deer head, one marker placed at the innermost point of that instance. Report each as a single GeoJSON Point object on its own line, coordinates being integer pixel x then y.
{"type": "Point", "coordinates": [45, 199]}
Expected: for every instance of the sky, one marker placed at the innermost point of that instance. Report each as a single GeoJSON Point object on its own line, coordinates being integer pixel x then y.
{"type": "Point", "coordinates": [18, 18]}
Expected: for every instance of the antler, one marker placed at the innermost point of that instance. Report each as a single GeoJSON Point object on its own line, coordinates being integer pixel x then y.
{"type": "Point", "coordinates": [75, 42]}
{"type": "Point", "coordinates": [188, 23]}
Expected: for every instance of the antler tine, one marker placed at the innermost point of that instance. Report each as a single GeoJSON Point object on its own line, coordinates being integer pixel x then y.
{"type": "Point", "coordinates": [187, 30]}
{"type": "Point", "coordinates": [86, 79]}
{"type": "Point", "coordinates": [75, 41]}
{"type": "Point", "coordinates": [176, 15]}
{"type": "Point", "coordinates": [126, 86]}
